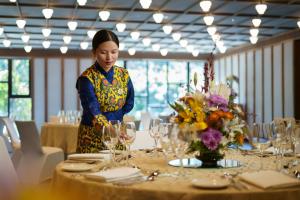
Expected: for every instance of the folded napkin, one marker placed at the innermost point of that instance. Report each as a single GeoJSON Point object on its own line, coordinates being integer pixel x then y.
{"type": "Point", "coordinates": [271, 150]}
{"type": "Point", "coordinates": [114, 175]}
{"type": "Point", "coordinates": [269, 179]}
{"type": "Point", "coordinates": [89, 156]}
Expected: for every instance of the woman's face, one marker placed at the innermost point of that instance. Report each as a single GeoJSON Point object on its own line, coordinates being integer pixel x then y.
{"type": "Point", "coordinates": [107, 54]}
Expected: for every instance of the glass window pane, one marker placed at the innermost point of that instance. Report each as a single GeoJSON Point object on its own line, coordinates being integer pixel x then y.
{"type": "Point", "coordinates": [4, 99]}
{"type": "Point", "coordinates": [20, 108]}
{"type": "Point", "coordinates": [140, 105]}
{"type": "Point", "coordinates": [175, 91]}
{"type": "Point", "coordinates": [197, 66]}
{"type": "Point", "coordinates": [138, 74]}
{"type": "Point", "coordinates": [20, 77]}
{"type": "Point", "coordinates": [3, 70]}
{"type": "Point", "coordinates": [120, 63]}
{"type": "Point", "coordinates": [157, 75]}
{"type": "Point", "coordinates": [177, 72]}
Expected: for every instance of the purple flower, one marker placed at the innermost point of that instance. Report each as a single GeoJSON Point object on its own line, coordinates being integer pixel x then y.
{"type": "Point", "coordinates": [211, 138]}
{"type": "Point", "coordinates": [218, 101]}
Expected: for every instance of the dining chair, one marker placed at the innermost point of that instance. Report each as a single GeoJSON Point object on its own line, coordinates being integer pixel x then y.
{"type": "Point", "coordinates": [12, 132]}
{"type": "Point", "coordinates": [8, 176]}
{"type": "Point", "coordinates": [3, 133]}
{"type": "Point", "coordinates": [36, 163]}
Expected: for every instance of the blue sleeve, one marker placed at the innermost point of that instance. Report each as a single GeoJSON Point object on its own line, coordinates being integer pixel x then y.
{"type": "Point", "coordinates": [129, 99]}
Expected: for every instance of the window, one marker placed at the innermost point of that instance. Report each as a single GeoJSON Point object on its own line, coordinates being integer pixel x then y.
{"type": "Point", "coordinates": [158, 82]}
{"type": "Point", "coordinates": [15, 99]}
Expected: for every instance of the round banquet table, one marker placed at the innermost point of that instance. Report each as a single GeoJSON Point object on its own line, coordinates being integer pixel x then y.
{"type": "Point", "coordinates": [76, 186]}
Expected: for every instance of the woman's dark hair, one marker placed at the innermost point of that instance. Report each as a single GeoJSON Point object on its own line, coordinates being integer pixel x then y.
{"type": "Point", "coordinates": [104, 36]}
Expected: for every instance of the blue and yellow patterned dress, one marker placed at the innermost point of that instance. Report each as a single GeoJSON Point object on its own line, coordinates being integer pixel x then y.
{"type": "Point", "coordinates": [104, 96]}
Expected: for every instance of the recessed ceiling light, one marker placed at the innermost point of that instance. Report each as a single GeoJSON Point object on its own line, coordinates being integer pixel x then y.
{"type": "Point", "coordinates": [67, 39]}
{"type": "Point", "coordinates": [46, 44]}
{"type": "Point", "coordinates": [254, 32]}
{"type": "Point", "coordinates": [135, 35]}
{"type": "Point", "coordinates": [195, 53]}
{"type": "Point", "coordinates": [253, 39]}
{"type": "Point", "coordinates": [21, 23]}
{"type": "Point", "coordinates": [72, 25]}
{"type": "Point", "coordinates": [13, 1]}
{"type": "Point", "coordinates": [63, 49]}
{"type": "Point", "coordinates": [6, 42]}
{"type": "Point", "coordinates": [91, 33]}
{"type": "Point", "coordinates": [261, 8]}
{"type": "Point", "coordinates": [256, 22]}
{"type": "Point", "coordinates": [1, 30]}
{"type": "Point", "coordinates": [298, 23]}
{"type": "Point", "coordinates": [131, 51]}
{"type": "Point", "coordinates": [47, 12]}
{"type": "Point", "coordinates": [121, 27]}
{"type": "Point", "coordinates": [208, 20]}
{"type": "Point", "coordinates": [211, 30]}
{"type": "Point", "coordinates": [176, 36]}
{"type": "Point", "coordinates": [104, 15]}
{"type": "Point", "coordinates": [167, 29]}
{"type": "Point", "coordinates": [183, 43]}
{"type": "Point", "coordinates": [81, 2]}
{"type": "Point", "coordinates": [145, 3]}
{"type": "Point", "coordinates": [121, 46]}
{"type": "Point", "coordinates": [25, 37]}
{"type": "Point", "coordinates": [84, 45]}
{"type": "Point", "coordinates": [46, 32]}
{"type": "Point", "coordinates": [27, 48]}
{"type": "Point", "coordinates": [222, 49]}
{"type": "Point", "coordinates": [158, 17]}
{"type": "Point", "coordinates": [216, 37]}
{"type": "Point", "coordinates": [146, 41]}
{"type": "Point", "coordinates": [205, 5]}
{"type": "Point", "coordinates": [155, 47]}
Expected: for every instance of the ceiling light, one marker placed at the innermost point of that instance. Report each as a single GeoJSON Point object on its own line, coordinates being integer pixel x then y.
{"type": "Point", "coordinates": [67, 39]}
{"type": "Point", "coordinates": [158, 17]}
{"type": "Point", "coordinates": [104, 15]}
{"type": "Point", "coordinates": [256, 22]}
{"type": "Point", "coordinates": [121, 27]}
{"type": "Point", "coordinates": [131, 51]}
{"type": "Point", "coordinates": [1, 30]}
{"type": "Point", "coordinates": [81, 2]}
{"type": "Point", "coordinates": [261, 8]}
{"type": "Point", "coordinates": [13, 1]}
{"type": "Point", "coordinates": [254, 32]}
{"type": "Point", "coordinates": [47, 12]}
{"type": "Point", "coordinates": [164, 52]}
{"type": "Point", "coordinates": [253, 39]}
{"type": "Point", "coordinates": [46, 44]}
{"type": "Point", "coordinates": [27, 48]}
{"type": "Point", "coordinates": [6, 43]}
{"type": "Point", "coordinates": [195, 53]}
{"type": "Point", "coordinates": [183, 43]}
{"type": "Point", "coordinates": [145, 3]}
{"type": "Point", "coordinates": [298, 23]}
{"type": "Point", "coordinates": [167, 29]}
{"type": "Point", "coordinates": [216, 37]}
{"type": "Point", "coordinates": [135, 35]}
{"type": "Point", "coordinates": [208, 19]}
{"type": "Point", "coordinates": [211, 30]}
{"type": "Point", "coordinates": [176, 36]}
{"type": "Point", "coordinates": [25, 37]}
{"type": "Point", "coordinates": [146, 41]}
{"type": "Point", "coordinates": [21, 23]}
{"type": "Point", "coordinates": [205, 5]}
{"type": "Point", "coordinates": [219, 43]}
{"type": "Point", "coordinates": [84, 45]}
{"type": "Point", "coordinates": [63, 49]}
{"type": "Point", "coordinates": [222, 49]}
{"type": "Point", "coordinates": [155, 47]}
{"type": "Point", "coordinates": [121, 46]}
{"type": "Point", "coordinates": [46, 32]}
{"type": "Point", "coordinates": [72, 25]}
{"type": "Point", "coordinates": [91, 33]}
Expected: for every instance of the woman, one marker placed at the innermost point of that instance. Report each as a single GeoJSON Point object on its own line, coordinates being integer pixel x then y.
{"type": "Point", "coordinates": [105, 90]}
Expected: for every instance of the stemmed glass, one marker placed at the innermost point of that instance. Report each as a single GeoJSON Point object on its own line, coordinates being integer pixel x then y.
{"type": "Point", "coordinates": [127, 136]}
{"type": "Point", "coordinates": [165, 138]}
{"type": "Point", "coordinates": [110, 137]}
{"type": "Point", "coordinates": [154, 132]}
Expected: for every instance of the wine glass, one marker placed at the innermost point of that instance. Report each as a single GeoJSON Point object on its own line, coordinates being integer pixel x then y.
{"type": "Point", "coordinates": [127, 136]}
{"type": "Point", "coordinates": [110, 137]}
{"type": "Point", "coordinates": [154, 132]}
{"type": "Point", "coordinates": [165, 139]}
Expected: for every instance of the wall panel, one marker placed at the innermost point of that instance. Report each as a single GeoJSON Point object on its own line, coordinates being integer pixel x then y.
{"type": "Point", "coordinates": [70, 77]}
{"type": "Point", "coordinates": [250, 86]}
{"type": "Point", "coordinates": [242, 78]}
{"type": "Point", "coordinates": [235, 72]}
{"type": "Point", "coordinates": [85, 63]}
{"type": "Point", "coordinates": [258, 86]}
{"type": "Point", "coordinates": [277, 81]}
{"type": "Point", "coordinates": [267, 82]}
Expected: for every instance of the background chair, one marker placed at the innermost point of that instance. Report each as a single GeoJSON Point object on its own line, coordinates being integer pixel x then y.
{"type": "Point", "coordinates": [12, 132]}
{"type": "Point", "coordinates": [4, 134]}
{"type": "Point", "coordinates": [145, 121]}
{"type": "Point", "coordinates": [36, 163]}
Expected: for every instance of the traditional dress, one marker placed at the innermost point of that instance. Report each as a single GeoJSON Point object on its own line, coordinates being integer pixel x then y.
{"type": "Point", "coordinates": [104, 96]}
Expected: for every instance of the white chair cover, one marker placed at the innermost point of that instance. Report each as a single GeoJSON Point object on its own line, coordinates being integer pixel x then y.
{"type": "Point", "coordinates": [36, 163]}
{"type": "Point", "coordinates": [12, 132]}
{"type": "Point", "coordinates": [145, 121]}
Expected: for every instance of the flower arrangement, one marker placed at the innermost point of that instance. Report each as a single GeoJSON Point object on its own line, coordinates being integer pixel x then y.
{"type": "Point", "coordinates": [212, 118]}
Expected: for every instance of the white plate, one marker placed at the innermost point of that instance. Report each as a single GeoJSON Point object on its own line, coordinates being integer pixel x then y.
{"type": "Point", "coordinates": [210, 183]}
{"type": "Point", "coordinates": [77, 167]}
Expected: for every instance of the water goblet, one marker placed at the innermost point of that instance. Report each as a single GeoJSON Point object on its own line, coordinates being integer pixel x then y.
{"type": "Point", "coordinates": [127, 136]}
{"type": "Point", "coordinates": [154, 133]}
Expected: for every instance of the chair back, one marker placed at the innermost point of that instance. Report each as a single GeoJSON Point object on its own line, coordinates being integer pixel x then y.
{"type": "Point", "coordinates": [145, 121]}
{"type": "Point", "coordinates": [12, 131]}
{"type": "Point", "coordinates": [30, 139]}
{"type": "Point", "coordinates": [8, 175]}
